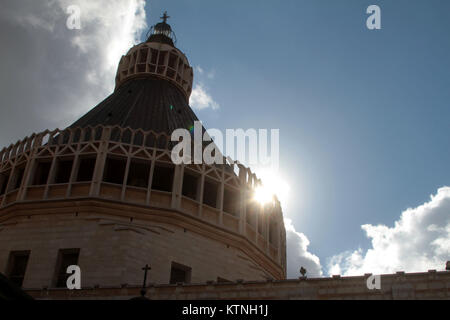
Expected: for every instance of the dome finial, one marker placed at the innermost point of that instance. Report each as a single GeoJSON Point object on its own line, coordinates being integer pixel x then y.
{"type": "Point", "coordinates": [162, 32]}
{"type": "Point", "coordinates": [165, 17]}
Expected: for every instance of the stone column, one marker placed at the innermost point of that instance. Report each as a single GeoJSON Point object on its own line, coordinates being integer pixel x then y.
{"type": "Point", "coordinates": [177, 189]}
{"type": "Point", "coordinates": [220, 197]}
{"type": "Point", "coordinates": [202, 187]}
{"type": "Point", "coordinates": [100, 162]}
{"type": "Point", "coordinates": [243, 199]}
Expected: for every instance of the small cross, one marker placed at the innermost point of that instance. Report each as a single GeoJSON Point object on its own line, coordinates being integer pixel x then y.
{"type": "Point", "coordinates": [144, 285]}
{"type": "Point", "coordinates": [303, 271]}
{"type": "Point", "coordinates": [165, 17]}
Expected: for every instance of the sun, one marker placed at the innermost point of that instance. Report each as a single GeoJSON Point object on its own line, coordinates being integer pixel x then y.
{"type": "Point", "coordinates": [263, 195]}
{"type": "Point", "coordinates": [272, 185]}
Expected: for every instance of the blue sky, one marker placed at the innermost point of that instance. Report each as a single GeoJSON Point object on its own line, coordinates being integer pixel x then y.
{"type": "Point", "coordinates": [364, 115]}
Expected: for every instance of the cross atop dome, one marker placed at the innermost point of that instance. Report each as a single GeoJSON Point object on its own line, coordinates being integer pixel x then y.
{"type": "Point", "coordinates": [165, 17]}
{"type": "Point", "coordinates": [162, 32]}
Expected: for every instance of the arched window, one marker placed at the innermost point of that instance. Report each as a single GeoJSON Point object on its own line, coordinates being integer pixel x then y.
{"type": "Point", "coordinates": [210, 193]}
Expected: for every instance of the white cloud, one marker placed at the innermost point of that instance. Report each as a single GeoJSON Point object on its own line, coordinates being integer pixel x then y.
{"type": "Point", "coordinates": [201, 99]}
{"type": "Point", "coordinates": [109, 28]}
{"type": "Point", "coordinates": [298, 255]}
{"type": "Point", "coordinates": [53, 74]}
{"type": "Point", "coordinates": [199, 70]}
{"type": "Point", "coordinates": [419, 241]}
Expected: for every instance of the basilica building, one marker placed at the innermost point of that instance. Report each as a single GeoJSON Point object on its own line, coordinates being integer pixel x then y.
{"type": "Point", "coordinates": [104, 194]}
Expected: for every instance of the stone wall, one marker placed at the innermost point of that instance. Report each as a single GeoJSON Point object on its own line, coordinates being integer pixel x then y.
{"type": "Point", "coordinates": [117, 240]}
{"type": "Point", "coordinates": [400, 286]}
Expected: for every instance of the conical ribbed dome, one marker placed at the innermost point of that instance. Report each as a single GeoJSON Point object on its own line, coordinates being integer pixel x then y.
{"type": "Point", "coordinates": [143, 103]}
{"type": "Point", "coordinates": [153, 85]}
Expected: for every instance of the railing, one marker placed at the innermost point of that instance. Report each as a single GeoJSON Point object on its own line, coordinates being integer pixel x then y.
{"type": "Point", "coordinates": [128, 136]}
{"type": "Point", "coordinates": [19, 166]}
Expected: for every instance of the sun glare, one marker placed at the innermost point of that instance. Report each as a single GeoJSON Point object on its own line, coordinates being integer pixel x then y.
{"type": "Point", "coordinates": [272, 185]}
{"type": "Point", "coordinates": [263, 195]}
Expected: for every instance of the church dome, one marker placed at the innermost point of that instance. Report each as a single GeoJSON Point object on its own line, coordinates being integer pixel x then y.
{"type": "Point", "coordinates": [157, 58]}
{"type": "Point", "coordinates": [153, 85]}
{"type": "Point", "coordinates": [109, 181]}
